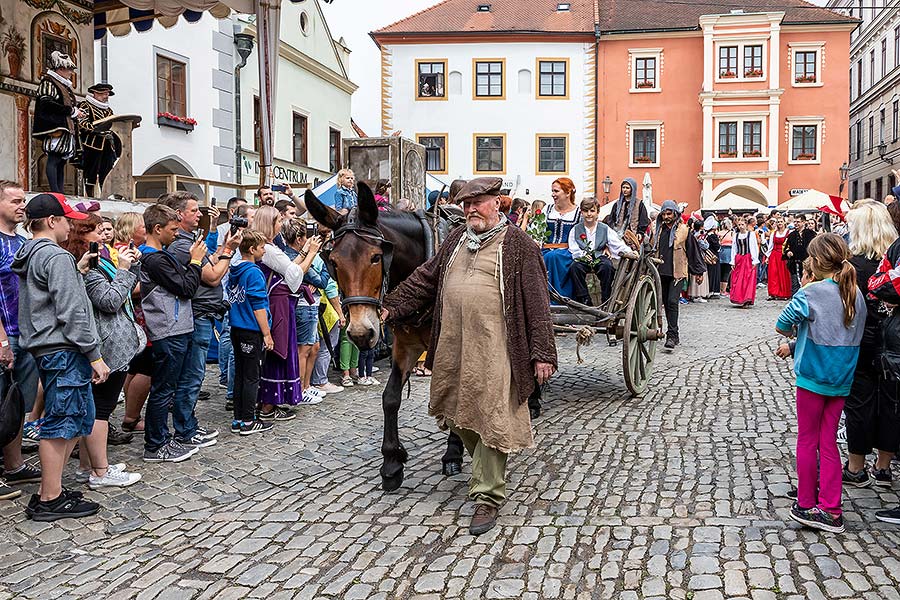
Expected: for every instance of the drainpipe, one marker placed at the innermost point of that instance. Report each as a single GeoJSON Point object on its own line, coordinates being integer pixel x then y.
{"type": "Point", "coordinates": [597, 72]}
{"type": "Point", "coordinates": [104, 58]}
{"type": "Point", "coordinates": [244, 44]}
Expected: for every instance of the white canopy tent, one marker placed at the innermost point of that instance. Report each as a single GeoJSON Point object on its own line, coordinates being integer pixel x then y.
{"type": "Point", "coordinates": [812, 200]}
{"type": "Point", "coordinates": [736, 203]}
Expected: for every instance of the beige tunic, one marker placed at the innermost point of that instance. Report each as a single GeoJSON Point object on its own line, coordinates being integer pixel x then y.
{"type": "Point", "coordinates": [472, 385]}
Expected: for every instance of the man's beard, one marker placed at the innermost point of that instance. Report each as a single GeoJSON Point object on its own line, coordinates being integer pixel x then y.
{"type": "Point", "coordinates": [477, 224]}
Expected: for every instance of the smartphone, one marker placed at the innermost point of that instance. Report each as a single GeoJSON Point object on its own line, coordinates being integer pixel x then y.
{"type": "Point", "coordinates": [312, 228]}
{"type": "Point", "coordinates": [278, 187]}
{"type": "Point", "coordinates": [199, 234]}
{"type": "Point", "coordinates": [94, 248]}
{"type": "Point", "coordinates": [131, 245]}
{"type": "Point", "coordinates": [212, 202]}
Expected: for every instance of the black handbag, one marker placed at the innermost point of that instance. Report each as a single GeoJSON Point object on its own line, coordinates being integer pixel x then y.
{"type": "Point", "coordinates": [12, 411]}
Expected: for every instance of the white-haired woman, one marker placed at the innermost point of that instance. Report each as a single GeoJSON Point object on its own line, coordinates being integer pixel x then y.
{"type": "Point", "coordinates": [871, 408]}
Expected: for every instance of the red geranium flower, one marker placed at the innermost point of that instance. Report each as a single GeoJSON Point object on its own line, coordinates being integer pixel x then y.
{"type": "Point", "coordinates": [584, 236]}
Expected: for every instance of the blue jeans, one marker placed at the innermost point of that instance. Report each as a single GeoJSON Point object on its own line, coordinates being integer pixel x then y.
{"type": "Point", "coordinates": [320, 369]}
{"type": "Point", "coordinates": [68, 401]}
{"type": "Point", "coordinates": [226, 358]}
{"type": "Point", "coordinates": [191, 379]}
{"type": "Point", "coordinates": [24, 372]}
{"type": "Point", "coordinates": [169, 357]}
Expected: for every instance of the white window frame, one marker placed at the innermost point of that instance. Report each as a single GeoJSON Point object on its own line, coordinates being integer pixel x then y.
{"type": "Point", "coordinates": [636, 53]}
{"type": "Point", "coordinates": [741, 43]}
{"type": "Point", "coordinates": [819, 49]}
{"type": "Point", "coordinates": [741, 118]}
{"type": "Point", "coordinates": [635, 125]}
{"type": "Point", "coordinates": [792, 122]}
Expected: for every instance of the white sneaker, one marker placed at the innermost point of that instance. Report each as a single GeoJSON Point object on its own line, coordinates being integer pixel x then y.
{"type": "Point", "coordinates": [329, 388]}
{"type": "Point", "coordinates": [375, 369]}
{"type": "Point", "coordinates": [701, 300]}
{"type": "Point", "coordinates": [85, 476]}
{"type": "Point", "coordinates": [372, 381]}
{"type": "Point", "coordinates": [314, 392]}
{"type": "Point", "coordinates": [309, 399]}
{"type": "Point", "coordinates": [114, 478]}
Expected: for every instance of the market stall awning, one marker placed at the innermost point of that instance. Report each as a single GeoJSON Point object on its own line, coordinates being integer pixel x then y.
{"type": "Point", "coordinates": [736, 203]}
{"type": "Point", "coordinates": [815, 200]}
{"type": "Point", "coordinates": [120, 17]}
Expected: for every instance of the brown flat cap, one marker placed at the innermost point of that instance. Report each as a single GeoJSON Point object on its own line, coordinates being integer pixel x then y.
{"type": "Point", "coordinates": [481, 186]}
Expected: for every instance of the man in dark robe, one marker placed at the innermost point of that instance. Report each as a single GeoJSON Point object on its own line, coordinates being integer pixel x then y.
{"type": "Point", "coordinates": [628, 213]}
{"type": "Point", "coordinates": [55, 112]}
{"type": "Point", "coordinates": [101, 147]}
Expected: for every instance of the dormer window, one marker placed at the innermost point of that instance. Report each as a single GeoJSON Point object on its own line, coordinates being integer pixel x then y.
{"type": "Point", "coordinates": [484, 8]}
{"type": "Point", "coordinates": [563, 7]}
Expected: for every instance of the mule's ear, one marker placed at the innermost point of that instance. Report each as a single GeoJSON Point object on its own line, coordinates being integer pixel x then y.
{"type": "Point", "coordinates": [325, 215]}
{"type": "Point", "coordinates": [368, 208]}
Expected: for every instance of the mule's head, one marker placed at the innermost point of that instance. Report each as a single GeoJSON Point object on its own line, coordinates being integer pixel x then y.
{"type": "Point", "coordinates": [356, 261]}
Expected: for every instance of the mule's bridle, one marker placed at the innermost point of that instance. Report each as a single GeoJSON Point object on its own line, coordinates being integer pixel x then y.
{"type": "Point", "coordinates": [372, 236]}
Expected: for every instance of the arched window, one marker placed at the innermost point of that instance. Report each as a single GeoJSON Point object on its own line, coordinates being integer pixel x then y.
{"type": "Point", "coordinates": [455, 83]}
{"type": "Point", "coordinates": [524, 81]}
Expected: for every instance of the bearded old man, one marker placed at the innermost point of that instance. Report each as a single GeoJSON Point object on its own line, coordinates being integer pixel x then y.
{"type": "Point", "coordinates": [492, 338]}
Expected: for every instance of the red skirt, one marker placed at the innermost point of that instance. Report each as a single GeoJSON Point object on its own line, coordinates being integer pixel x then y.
{"type": "Point", "coordinates": [743, 280]}
{"type": "Point", "coordinates": [779, 278]}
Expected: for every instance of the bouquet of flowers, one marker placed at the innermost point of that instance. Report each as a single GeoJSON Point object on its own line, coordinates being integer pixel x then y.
{"type": "Point", "coordinates": [537, 227]}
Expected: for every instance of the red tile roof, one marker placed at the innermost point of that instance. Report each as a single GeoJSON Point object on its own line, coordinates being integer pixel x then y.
{"type": "Point", "coordinates": [541, 16]}
{"type": "Point", "coordinates": [523, 16]}
{"type": "Point", "coordinates": [655, 15]}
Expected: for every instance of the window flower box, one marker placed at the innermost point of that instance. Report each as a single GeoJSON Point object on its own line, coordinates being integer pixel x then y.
{"type": "Point", "coordinates": [178, 122]}
{"type": "Point", "coordinates": [805, 79]}
{"type": "Point", "coordinates": [727, 75]}
{"type": "Point", "coordinates": [753, 73]}
{"type": "Point", "coordinates": [752, 154]}
{"type": "Point", "coordinates": [727, 154]}
{"type": "Point", "coordinates": [646, 84]}
{"type": "Point", "coordinates": [643, 160]}
{"type": "Point", "coordinates": [806, 156]}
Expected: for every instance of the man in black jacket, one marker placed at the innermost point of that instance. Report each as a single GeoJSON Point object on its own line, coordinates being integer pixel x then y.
{"type": "Point", "coordinates": [55, 112]}
{"type": "Point", "coordinates": [795, 250]}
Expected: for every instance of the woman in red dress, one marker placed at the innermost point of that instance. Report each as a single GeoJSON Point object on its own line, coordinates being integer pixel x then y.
{"type": "Point", "coordinates": [744, 260]}
{"type": "Point", "coordinates": [779, 278]}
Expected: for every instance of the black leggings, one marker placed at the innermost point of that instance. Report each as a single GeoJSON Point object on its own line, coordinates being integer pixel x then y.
{"type": "Point", "coordinates": [671, 292]}
{"type": "Point", "coordinates": [56, 172]}
{"type": "Point", "coordinates": [106, 394]}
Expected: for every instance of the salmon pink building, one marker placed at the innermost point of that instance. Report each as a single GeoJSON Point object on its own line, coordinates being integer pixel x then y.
{"type": "Point", "coordinates": [709, 98]}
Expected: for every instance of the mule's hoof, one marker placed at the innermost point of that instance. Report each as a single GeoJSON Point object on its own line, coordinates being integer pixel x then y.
{"type": "Point", "coordinates": [452, 468]}
{"type": "Point", "coordinates": [392, 483]}
{"type": "Point", "coordinates": [535, 412]}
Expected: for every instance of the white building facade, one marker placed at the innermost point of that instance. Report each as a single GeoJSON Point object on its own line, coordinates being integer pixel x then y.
{"type": "Point", "coordinates": [874, 96]}
{"type": "Point", "coordinates": [514, 105]}
{"type": "Point", "coordinates": [184, 71]}
{"type": "Point", "coordinates": [181, 81]}
{"type": "Point", "coordinates": [312, 106]}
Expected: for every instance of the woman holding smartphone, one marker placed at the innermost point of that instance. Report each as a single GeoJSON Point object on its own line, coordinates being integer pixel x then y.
{"type": "Point", "coordinates": [109, 289]}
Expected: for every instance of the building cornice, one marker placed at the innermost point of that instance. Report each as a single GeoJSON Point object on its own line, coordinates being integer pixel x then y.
{"type": "Point", "coordinates": [469, 37]}
{"type": "Point", "coordinates": [868, 97]}
{"type": "Point", "coordinates": [311, 65]}
{"type": "Point", "coordinates": [738, 174]}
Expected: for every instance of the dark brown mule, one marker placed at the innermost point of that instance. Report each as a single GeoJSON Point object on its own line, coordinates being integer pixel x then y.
{"type": "Point", "coordinates": [370, 253]}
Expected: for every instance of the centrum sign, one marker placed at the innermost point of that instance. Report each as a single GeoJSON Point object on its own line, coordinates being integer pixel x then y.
{"type": "Point", "coordinates": [281, 171]}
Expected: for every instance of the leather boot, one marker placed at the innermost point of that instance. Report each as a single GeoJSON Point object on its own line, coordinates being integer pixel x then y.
{"type": "Point", "coordinates": [484, 519]}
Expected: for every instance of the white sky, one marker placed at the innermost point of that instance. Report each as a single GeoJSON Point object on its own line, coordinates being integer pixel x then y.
{"type": "Point", "coordinates": [353, 20]}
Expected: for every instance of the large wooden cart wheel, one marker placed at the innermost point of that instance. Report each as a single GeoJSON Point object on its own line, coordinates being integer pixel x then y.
{"type": "Point", "coordinates": [640, 333]}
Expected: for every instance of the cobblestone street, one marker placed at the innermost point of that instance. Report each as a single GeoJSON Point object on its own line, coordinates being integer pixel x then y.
{"type": "Point", "coordinates": [678, 494]}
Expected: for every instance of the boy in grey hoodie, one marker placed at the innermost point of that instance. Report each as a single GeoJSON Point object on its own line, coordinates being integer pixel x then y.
{"type": "Point", "coordinates": [57, 326]}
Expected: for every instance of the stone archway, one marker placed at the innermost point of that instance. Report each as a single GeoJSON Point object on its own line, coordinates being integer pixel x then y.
{"type": "Point", "coordinates": [750, 189]}
{"type": "Point", "coordinates": [171, 165]}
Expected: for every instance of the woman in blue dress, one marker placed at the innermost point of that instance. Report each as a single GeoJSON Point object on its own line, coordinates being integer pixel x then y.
{"type": "Point", "coordinates": [561, 218]}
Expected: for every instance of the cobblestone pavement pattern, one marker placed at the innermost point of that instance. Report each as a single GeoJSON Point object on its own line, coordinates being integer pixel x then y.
{"type": "Point", "coordinates": [674, 495]}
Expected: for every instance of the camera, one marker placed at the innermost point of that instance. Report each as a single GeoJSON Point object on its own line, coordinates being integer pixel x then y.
{"type": "Point", "coordinates": [278, 187]}
{"type": "Point", "coordinates": [312, 229]}
{"type": "Point", "coordinates": [237, 223]}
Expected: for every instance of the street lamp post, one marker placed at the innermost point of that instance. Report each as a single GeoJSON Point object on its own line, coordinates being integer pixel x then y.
{"type": "Point", "coordinates": [607, 185]}
{"type": "Point", "coordinates": [243, 43]}
{"type": "Point", "coordinates": [845, 174]}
